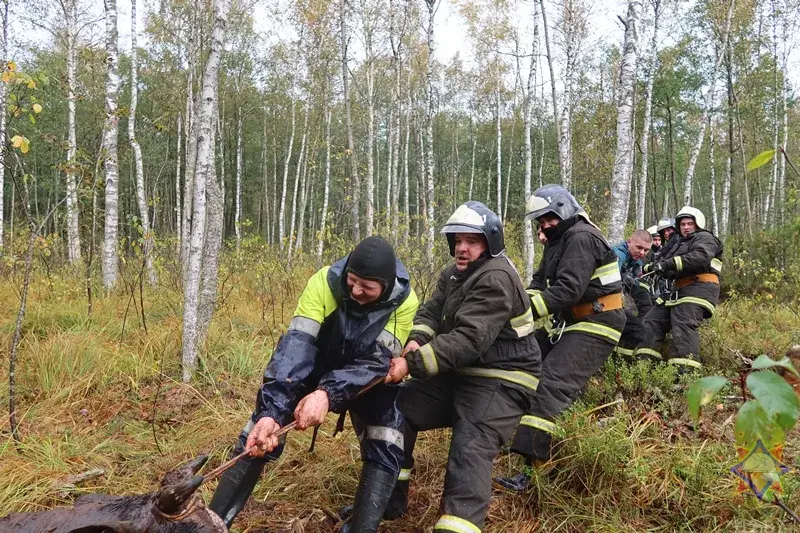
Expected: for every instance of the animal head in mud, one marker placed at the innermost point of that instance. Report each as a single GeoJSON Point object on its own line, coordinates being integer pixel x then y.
{"type": "Point", "coordinates": [174, 508]}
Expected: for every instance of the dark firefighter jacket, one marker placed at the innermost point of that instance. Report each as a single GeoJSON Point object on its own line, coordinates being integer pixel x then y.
{"type": "Point", "coordinates": [578, 266]}
{"type": "Point", "coordinates": [478, 323]}
{"type": "Point", "coordinates": [334, 344]}
{"type": "Point", "coordinates": [699, 253]}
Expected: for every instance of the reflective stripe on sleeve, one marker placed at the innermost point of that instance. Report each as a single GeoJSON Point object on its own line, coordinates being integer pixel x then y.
{"type": "Point", "coordinates": [405, 474]}
{"type": "Point", "coordinates": [429, 360]}
{"type": "Point", "coordinates": [705, 304]}
{"type": "Point", "coordinates": [306, 325]}
{"type": "Point", "coordinates": [539, 423]}
{"type": "Point", "coordinates": [624, 351]}
{"type": "Point", "coordinates": [593, 328]}
{"type": "Point", "coordinates": [648, 352]}
{"type": "Point", "coordinates": [386, 434]}
{"type": "Point", "coordinates": [514, 376]}
{"type": "Point", "coordinates": [685, 362]}
{"type": "Point", "coordinates": [427, 330]}
{"type": "Point", "coordinates": [678, 263]}
{"type": "Point", "coordinates": [716, 264]}
{"type": "Point", "coordinates": [608, 274]}
{"type": "Point", "coordinates": [523, 324]}
{"type": "Point", "coordinates": [390, 342]}
{"type": "Point", "coordinates": [538, 303]}
{"type": "Point", "coordinates": [453, 523]}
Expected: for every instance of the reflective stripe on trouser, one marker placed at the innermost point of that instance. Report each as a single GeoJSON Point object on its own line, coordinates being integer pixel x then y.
{"type": "Point", "coordinates": [565, 372]}
{"type": "Point", "coordinates": [483, 414]}
{"type": "Point", "coordinates": [380, 427]}
{"type": "Point", "coordinates": [683, 321]}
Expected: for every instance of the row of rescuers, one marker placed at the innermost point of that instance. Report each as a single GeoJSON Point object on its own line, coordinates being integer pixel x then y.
{"type": "Point", "coordinates": [469, 358]}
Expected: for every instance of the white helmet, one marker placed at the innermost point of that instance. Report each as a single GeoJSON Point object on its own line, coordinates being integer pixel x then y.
{"type": "Point", "coordinates": [653, 231]}
{"type": "Point", "coordinates": [696, 214]}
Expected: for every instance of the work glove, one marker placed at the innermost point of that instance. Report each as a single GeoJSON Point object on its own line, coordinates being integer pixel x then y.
{"type": "Point", "coordinates": [648, 268]}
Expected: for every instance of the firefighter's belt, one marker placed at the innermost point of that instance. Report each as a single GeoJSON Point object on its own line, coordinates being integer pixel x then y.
{"type": "Point", "coordinates": [609, 302]}
{"type": "Point", "coordinates": [688, 280]}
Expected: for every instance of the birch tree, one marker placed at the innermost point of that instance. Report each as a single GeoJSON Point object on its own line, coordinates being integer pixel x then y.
{"type": "Point", "coordinates": [109, 147]}
{"type": "Point", "coordinates": [326, 190]}
{"type": "Point", "coordinates": [623, 160]}
{"type": "Point", "coordinates": [529, 96]}
{"type": "Point", "coordinates": [355, 180]}
{"type": "Point", "coordinates": [698, 145]}
{"type": "Point", "coordinates": [3, 66]}
{"type": "Point", "coordinates": [432, 6]}
{"type": "Point", "coordinates": [70, 10]}
{"type": "Point", "coordinates": [648, 113]}
{"type": "Point", "coordinates": [286, 161]}
{"type": "Point", "coordinates": [239, 165]}
{"type": "Point", "coordinates": [573, 24]}
{"type": "Point", "coordinates": [554, 97]}
{"type": "Point", "coordinates": [204, 165]}
{"type": "Point", "coordinates": [141, 189]}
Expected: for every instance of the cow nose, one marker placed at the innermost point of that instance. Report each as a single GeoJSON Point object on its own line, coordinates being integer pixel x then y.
{"type": "Point", "coordinates": [170, 499]}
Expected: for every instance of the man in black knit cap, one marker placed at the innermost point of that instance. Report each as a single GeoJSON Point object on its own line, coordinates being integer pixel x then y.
{"type": "Point", "coordinates": [351, 320]}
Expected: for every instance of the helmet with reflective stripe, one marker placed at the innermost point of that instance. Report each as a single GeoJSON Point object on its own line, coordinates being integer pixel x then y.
{"type": "Point", "coordinates": [665, 223]}
{"type": "Point", "coordinates": [552, 199]}
{"type": "Point", "coordinates": [653, 231]}
{"type": "Point", "coordinates": [693, 212]}
{"type": "Point", "coordinates": [475, 217]}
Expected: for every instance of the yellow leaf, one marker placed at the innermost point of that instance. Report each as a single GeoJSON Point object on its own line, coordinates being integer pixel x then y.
{"type": "Point", "coordinates": [11, 66]}
{"type": "Point", "coordinates": [37, 108]}
{"type": "Point", "coordinates": [8, 76]}
{"type": "Point", "coordinates": [31, 84]}
{"type": "Point", "coordinates": [16, 141]}
{"type": "Point", "coordinates": [26, 145]}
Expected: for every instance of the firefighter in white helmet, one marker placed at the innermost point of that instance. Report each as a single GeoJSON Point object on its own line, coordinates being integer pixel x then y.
{"type": "Point", "coordinates": [694, 264]}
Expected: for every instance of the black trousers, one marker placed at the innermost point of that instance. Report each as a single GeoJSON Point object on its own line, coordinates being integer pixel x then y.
{"type": "Point", "coordinates": [566, 369]}
{"type": "Point", "coordinates": [483, 413]}
{"type": "Point", "coordinates": [683, 320]}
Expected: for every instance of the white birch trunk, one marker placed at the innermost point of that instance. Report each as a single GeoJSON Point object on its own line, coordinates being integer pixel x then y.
{"type": "Point", "coordinates": [355, 180]}
{"type": "Point", "coordinates": [528, 115]}
{"type": "Point", "coordinates": [239, 164]}
{"type": "Point", "coordinates": [499, 133]}
{"type": "Point", "coordinates": [429, 192]}
{"type": "Point", "coordinates": [110, 163]}
{"type": "Point", "coordinates": [406, 205]}
{"type": "Point", "coordinates": [556, 122]}
{"type": "Point", "coordinates": [203, 167]}
{"type": "Point", "coordinates": [324, 214]}
{"type": "Point", "coordinates": [189, 166]}
{"type": "Point", "coordinates": [73, 232]}
{"type": "Point", "coordinates": [570, 52]}
{"type": "Point", "coordinates": [301, 223]}
{"type": "Point", "coordinates": [300, 159]}
{"type": "Point", "coordinates": [178, 150]}
{"type": "Point", "coordinates": [472, 166]}
{"type": "Point", "coordinates": [711, 162]}
{"type": "Point", "coordinates": [781, 189]}
{"type": "Point", "coordinates": [769, 198]}
{"type": "Point", "coordinates": [623, 160]}
{"type": "Point", "coordinates": [698, 145]}
{"type": "Point", "coordinates": [219, 143]}
{"type": "Point", "coordinates": [370, 178]}
{"type": "Point", "coordinates": [641, 199]}
{"type": "Point", "coordinates": [4, 60]}
{"type": "Point", "coordinates": [397, 131]}
{"type": "Point", "coordinates": [141, 190]}
{"type": "Point", "coordinates": [282, 209]}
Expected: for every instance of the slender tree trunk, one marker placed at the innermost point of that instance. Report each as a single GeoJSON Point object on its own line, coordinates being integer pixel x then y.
{"type": "Point", "coordinates": [141, 189]}
{"type": "Point", "coordinates": [300, 161]}
{"type": "Point", "coordinates": [324, 214]}
{"type": "Point", "coordinates": [406, 206]}
{"type": "Point", "coordinates": [192, 331]}
{"type": "Point", "coordinates": [781, 188]}
{"type": "Point", "coordinates": [528, 116]}
{"type": "Point", "coordinates": [110, 129]}
{"type": "Point", "coordinates": [711, 164]}
{"type": "Point", "coordinates": [237, 223]}
{"type": "Point", "coordinates": [303, 203]}
{"type": "Point", "coordinates": [698, 145]}
{"type": "Point", "coordinates": [769, 201]}
{"type": "Point", "coordinates": [726, 183]}
{"type": "Point", "coordinates": [472, 165]}
{"type": "Point", "coordinates": [648, 113]}
{"type": "Point", "coordinates": [370, 177]}
{"type": "Point", "coordinates": [499, 130]}
{"type": "Point", "coordinates": [556, 122]}
{"type": "Point", "coordinates": [623, 160]}
{"type": "Point", "coordinates": [73, 232]}
{"type": "Point", "coordinates": [355, 180]}
{"type": "Point", "coordinates": [178, 226]}
{"type": "Point", "coordinates": [429, 193]}
{"type": "Point", "coordinates": [570, 51]}
{"type": "Point", "coordinates": [264, 229]}
{"type": "Point", "coordinates": [282, 210]}
{"type": "Point", "coordinates": [189, 167]}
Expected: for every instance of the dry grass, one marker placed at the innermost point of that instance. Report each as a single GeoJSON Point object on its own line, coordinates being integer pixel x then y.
{"type": "Point", "coordinates": [87, 396]}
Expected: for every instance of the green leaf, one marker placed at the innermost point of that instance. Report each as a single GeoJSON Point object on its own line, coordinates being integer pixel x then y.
{"type": "Point", "coordinates": [753, 423]}
{"type": "Point", "coordinates": [760, 160]}
{"type": "Point", "coordinates": [763, 362]}
{"type": "Point", "coordinates": [776, 397]}
{"type": "Point", "coordinates": [702, 392]}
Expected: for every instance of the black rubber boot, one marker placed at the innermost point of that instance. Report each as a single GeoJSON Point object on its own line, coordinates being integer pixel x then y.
{"type": "Point", "coordinates": [235, 488]}
{"type": "Point", "coordinates": [398, 502]}
{"type": "Point", "coordinates": [372, 497]}
{"type": "Point", "coordinates": [519, 483]}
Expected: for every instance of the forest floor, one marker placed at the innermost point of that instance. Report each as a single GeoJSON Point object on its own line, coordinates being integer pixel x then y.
{"type": "Point", "coordinates": [104, 392]}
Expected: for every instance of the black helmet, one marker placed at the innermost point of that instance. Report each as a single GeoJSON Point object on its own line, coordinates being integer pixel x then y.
{"type": "Point", "coordinates": [553, 199]}
{"type": "Point", "coordinates": [475, 217]}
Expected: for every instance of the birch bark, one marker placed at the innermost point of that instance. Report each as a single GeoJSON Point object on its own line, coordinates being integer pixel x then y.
{"type": "Point", "coordinates": [237, 222]}
{"type": "Point", "coordinates": [529, 95]}
{"type": "Point", "coordinates": [192, 327]}
{"type": "Point", "coordinates": [295, 190]}
{"type": "Point", "coordinates": [429, 192]}
{"type": "Point", "coordinates": [499, 135]}
{"type": "Point", "coordinates": [3, 61]}
{"type": "Point", "coordinates": [109, 150]}
{"type": "Point", "coordinates": [73, 233]}
{"type": "Point", "coordinates": [282, 209]}
{"type": "Point", "coordinates": [355, 180]}
{"type": "Point", "coordinates": [141, 189]}
{"type": "Point", "coordinates": [178, 225]}
{"type": "Point", "coordinates": [324, 214]}
{"type": "Point", "coordinates": [552, 85]}
{"type": "Point", "coordinates": [648, 113]}
{"type": "Point", "coordinates": [623, 160]}
{"type": "Point", "coordinates": [698, 145]}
